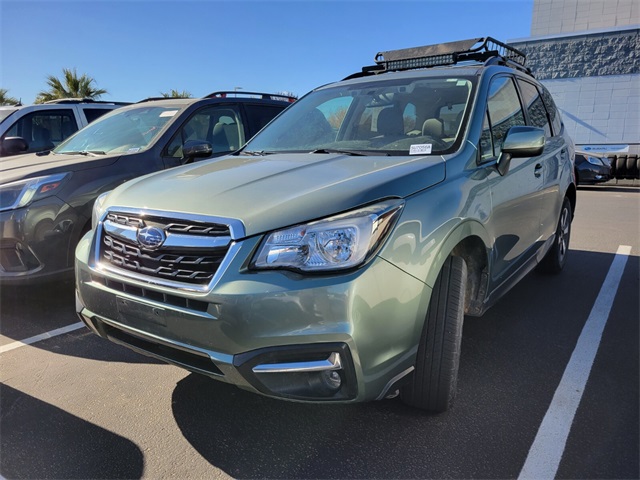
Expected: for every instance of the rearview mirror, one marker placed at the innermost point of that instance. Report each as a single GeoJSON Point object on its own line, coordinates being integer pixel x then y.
{"type": "Point", "coordinates": [521, 141]}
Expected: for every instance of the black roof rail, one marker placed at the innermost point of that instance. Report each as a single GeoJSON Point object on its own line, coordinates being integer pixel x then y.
{"type": "Point", "coordinates": [486, 50]}
{"type": "Point", "coordinates": [264, 96]}
{"type": "Point", "coordinates": [155, 99]}
{"type": "Point", "coordinates": [62, 101]}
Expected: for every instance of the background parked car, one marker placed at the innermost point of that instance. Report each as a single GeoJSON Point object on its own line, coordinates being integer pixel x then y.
{"type": "Point", "coordinates": [41, 127]}
{"type": "Point", "coordinates": [46, 198]}
{"type": "Point", "coordinates": [592, 168]}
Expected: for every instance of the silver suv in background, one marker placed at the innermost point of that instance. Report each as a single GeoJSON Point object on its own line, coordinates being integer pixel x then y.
{"type": "Point", "coordinates": [333, 258]}
{"type": "Point", "coordinates": [41, 127]}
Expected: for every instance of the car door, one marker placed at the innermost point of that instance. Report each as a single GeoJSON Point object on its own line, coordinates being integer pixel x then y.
{"type": "Point", "coordinates": [551, 159]}
{"type": "Point", "coordinates": [515, 196]}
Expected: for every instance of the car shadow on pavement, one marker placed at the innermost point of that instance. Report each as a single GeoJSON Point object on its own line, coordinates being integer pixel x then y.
{"type": "Point", "coordinates": [42, 441]}
{"type": "Point", "coordinates": [520, 345]}
{"type": "Point", "coordinates": [30, 311]}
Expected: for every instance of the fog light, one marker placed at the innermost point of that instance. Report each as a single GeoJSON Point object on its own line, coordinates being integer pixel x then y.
{"type": "Point", "coordinates": [332, 379]}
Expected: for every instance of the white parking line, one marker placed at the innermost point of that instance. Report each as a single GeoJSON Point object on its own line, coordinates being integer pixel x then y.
{"type": "Point", "coordinates": [42, 336]}
{"type": "Point", "coordinates": [547, 449]}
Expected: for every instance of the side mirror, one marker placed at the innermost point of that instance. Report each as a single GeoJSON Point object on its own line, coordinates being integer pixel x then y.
{"type": "Point", "coordinates": [13, 146]}
{"type": "Point", "coordinates": [193, 149]}
{"type": "Point", "coordinates": [521, 141]}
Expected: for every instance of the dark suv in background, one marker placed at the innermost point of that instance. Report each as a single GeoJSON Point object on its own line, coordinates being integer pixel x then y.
{"type": "Point", "coordinates": [46, 198]}
{"type": "Point", "coordinates": [41, 127]}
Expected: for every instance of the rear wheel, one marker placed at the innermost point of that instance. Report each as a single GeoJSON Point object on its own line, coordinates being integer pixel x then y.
{"type": "Point", "coordinates": [556, 257]}
{"type": "Point", "coordinates": [433, 386]}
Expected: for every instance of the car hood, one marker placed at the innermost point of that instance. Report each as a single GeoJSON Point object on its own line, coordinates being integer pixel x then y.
{"type": "Point", "coordinates": [18, 167]}
{"type": "Point", "coordinates": [278, 190]}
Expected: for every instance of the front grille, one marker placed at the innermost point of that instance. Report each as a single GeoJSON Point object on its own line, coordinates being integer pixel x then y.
{"type": "Point", "coordinates": [191, 253]}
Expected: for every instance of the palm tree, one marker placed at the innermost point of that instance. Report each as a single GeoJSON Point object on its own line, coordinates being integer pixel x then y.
{"type": "Point", "coordinates": [6, 99]}
{"type": "Point", "coordinates": [71, 86]}
{"type": "Point", "coordinates": [176, 94]}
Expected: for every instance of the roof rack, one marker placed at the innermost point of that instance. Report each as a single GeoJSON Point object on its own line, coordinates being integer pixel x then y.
{"type": "Point", "coordinates": [62, 101]}
{"type": "Point", "coordinates": [487, 50]}
{"type": "Point", "coordinates": [264, 96]}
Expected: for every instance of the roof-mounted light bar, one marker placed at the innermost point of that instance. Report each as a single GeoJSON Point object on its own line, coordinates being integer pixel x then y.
{"type": "Point", "coordinates": [485, 50]}
{"type": "Point", "coordinates": [475, 49]}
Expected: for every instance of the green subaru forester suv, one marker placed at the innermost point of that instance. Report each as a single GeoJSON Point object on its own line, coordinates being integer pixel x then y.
{"type": "Point", "coordinates": [334, 257]}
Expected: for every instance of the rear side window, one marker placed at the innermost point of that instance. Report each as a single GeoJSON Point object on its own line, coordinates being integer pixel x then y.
{"type": "Point", "coordinates": [535, 108]}
{"type": "Point", "coordinates": [93, 113]}
{"type": "Point", "coordinates": [259, 115]}
{"type": "Point", "coordinates": [503, 112]}
{"type": "Point", "coordinates": [44, 130]}
{"type": "Point", "coordinates": [554, 115]}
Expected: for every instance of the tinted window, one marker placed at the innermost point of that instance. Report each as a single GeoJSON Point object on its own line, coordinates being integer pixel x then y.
{"type": "Point", "coordinates": [259, 115]}
{"type": "Point", "coordinates": [93, 113]}
{"type": "Point", "coordinates": [504, 110]}
{"type": "Point", "coordinates": [535, 108]}
{"type": "Point", "coordinates": [554, 115]}
{"type": "Point", "coordinates": [44, 130]}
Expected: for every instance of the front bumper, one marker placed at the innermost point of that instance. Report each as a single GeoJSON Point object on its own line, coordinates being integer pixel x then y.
{"type": "Point", "coordinates": [342, 338]}
{"type": "Point", "coordinates": [35, 242]}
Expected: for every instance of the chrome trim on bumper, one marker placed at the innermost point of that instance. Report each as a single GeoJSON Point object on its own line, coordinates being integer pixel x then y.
{"type": "Point", "coordinates": [331, 363]}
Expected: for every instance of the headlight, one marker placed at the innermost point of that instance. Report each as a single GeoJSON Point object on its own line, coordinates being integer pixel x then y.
{"type": "Point", "coordinates": [595, 161]}
{"type": "Point", "coordinates": [336, 243]}
{"type": "Point", "coordinates": [21, 193]}
{"type": "Point", "coordinates": [96, 213]}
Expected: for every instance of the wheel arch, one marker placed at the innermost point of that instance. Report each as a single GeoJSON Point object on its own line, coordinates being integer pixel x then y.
{"type": "Point", "coordinates": [469, 241]}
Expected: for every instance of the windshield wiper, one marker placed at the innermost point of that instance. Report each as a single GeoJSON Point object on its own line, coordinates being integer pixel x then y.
{"type": "Point", "coordinates": [355, 153]}
{"type": "Point", "coordinates": [256, 153]}
{"type": "Point", "coordinates": [83, 152]}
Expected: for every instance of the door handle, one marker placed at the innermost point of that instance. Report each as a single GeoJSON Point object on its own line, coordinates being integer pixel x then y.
{"type": "Point", "coordinates": [538, 170]}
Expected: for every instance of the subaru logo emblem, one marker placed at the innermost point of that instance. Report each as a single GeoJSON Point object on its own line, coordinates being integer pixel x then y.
{"type": "Point", "coordinates": [151, 237]}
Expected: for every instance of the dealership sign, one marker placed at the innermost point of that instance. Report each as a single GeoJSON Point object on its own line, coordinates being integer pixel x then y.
{"type": "Point", "coordinates": [605, 148]}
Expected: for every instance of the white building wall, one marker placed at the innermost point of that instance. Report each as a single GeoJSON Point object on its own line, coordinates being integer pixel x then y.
{"type": "Point", "coordinates": [567, 16]}
{"type": "Point", "coordinates": [599, 110]}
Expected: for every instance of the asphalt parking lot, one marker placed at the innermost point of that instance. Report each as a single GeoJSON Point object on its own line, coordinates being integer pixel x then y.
{"type": "Point", "coordinates": [76, 406]}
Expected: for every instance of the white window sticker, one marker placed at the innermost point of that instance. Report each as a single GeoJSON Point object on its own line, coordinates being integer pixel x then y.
{"type": "Point", "coordinates": [421, 149]}
{"type": "Point", "coordinates": [133, 150]}
{"type": "Point", "coordinates": [168, 113]}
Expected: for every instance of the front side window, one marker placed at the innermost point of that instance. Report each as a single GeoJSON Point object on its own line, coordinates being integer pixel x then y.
{"type": "Point", "coordinates": [220, 126]}
{"type": "Point", "coordinates": [120, 131]}
{"type": "Point", "coordinates": [504, 110]}
{"type": "Point", "coordinates": [395, 117]}
{"type": "Point", "coordinates": [44, 130]}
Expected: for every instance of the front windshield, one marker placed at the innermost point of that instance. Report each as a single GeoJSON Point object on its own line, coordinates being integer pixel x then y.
{"type": "Point", "coordinates": [120, 131]}
{"type": "Point", "coordinates": [409, 116]}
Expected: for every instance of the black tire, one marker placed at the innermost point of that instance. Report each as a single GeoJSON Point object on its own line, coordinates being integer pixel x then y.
{"type": "Point", "coordinates": [556, 257]}
{"type": "Point", "coordinates": [434, 381]}
{"type": "Point", "coordinates": [621, 166]}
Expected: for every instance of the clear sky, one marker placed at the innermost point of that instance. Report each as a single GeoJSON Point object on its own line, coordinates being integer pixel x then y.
{"type": "Point", "coordinates": [139, 48]}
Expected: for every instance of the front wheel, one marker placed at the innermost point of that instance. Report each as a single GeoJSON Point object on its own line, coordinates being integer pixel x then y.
{"type": "Point", "coordinates": [433, 386]}
{"type": "Point", "coordinates": [556, 257]}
